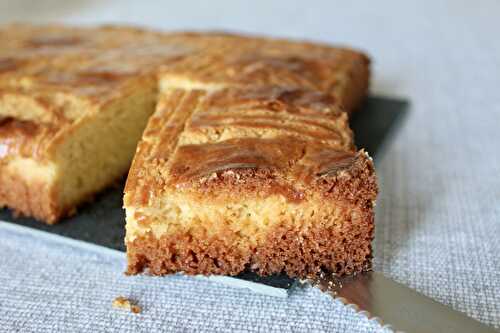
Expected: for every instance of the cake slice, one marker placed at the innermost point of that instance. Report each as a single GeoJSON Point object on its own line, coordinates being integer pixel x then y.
{"type": "Point", "coordinates": [249, 164]}
{"type": "Point", "coordinates": [73, 105]}
{"type": "Point", "coordinates": [266, 179]}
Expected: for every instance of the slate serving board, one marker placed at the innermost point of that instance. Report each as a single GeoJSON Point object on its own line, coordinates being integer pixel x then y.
{"type": "Point", "coordinates": [102, 221]}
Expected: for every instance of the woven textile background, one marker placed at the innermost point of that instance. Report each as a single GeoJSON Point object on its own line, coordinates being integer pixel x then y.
{"type": "Point", "coordinates": [438, 214]}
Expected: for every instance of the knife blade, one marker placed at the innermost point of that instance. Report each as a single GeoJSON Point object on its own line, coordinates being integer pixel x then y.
{"type": "Point", "coordinates": [396, 305]}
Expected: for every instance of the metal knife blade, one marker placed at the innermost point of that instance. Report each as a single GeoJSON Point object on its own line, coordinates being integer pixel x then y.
{"type": "Point", "coordinates": [396, 305]}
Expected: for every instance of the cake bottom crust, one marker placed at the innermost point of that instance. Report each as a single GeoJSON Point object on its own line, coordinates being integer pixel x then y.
{"type": "Point", "coordinates": [341, 249]}
{"type": "Point", "coordinates": [35, 198]}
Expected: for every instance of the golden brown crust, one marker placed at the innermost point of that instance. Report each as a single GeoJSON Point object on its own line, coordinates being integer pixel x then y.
{"type": "Point", "coordinates": [38, 199]}
{"type": "Point", "coordinates": [24, 138]}
{"type": "Point", "coordinates": [230, 61]}
{"type": "Point", "coordinates": [281, 132]}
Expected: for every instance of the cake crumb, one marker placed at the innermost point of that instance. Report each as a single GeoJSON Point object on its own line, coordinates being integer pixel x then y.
{"type": "Point", "coordinates": [124, 303]}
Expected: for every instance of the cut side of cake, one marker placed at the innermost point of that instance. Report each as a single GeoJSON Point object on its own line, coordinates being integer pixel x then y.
{"type": "Point", "coordinates": [264, 179]}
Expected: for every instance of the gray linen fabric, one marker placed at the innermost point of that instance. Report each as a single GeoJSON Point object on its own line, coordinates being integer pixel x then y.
{"type": "Point", "coordinates": [438, 215]}
{"type": "Point", "coordinates": [51, 286]}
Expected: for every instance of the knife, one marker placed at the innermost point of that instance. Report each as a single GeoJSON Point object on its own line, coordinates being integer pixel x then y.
{"type": "Point", "coordinates": [396, 305]}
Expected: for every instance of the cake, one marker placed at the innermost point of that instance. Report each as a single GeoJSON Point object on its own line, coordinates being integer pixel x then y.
{"type": "Point", "coordinates": [248, 163]}
{"type": "Point", "coordinates": [246, 160]}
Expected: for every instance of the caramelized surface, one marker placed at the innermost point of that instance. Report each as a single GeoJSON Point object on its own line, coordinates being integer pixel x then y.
{"type": "Point", "coordinates": [254, 62]}
{"type": "Point", "coordinates": [23, 138]}
{"type": "Point", "coordinates": [285, 138]}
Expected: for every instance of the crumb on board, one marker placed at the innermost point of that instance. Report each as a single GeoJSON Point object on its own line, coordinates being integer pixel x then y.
{"type": "Point", "coordinates": [124, 303]}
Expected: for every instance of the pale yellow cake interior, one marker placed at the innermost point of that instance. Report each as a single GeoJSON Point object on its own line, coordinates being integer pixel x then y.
{"type": "Point", "coordinates": [101, 148]}
{"type": "Point", "coordinates": [249, 219]}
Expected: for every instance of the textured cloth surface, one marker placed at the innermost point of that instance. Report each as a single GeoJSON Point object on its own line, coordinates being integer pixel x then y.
{"type": "Point", "coordinates": [438, 214]}
{"type": "Point", "coordinates": [51, 286]}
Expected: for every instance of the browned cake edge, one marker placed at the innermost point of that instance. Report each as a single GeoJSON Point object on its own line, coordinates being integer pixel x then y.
{"type": "Point", "coordinates": [286, 250]}
{"type": "Point", "coordinates": [287, 247]}
{"type": "Point", "coordinates": [37, 199]}
{"type": "Point", "coordinates": [355, 93]}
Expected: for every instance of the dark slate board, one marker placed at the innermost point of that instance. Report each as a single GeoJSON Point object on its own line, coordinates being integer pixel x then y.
{"type": "Point", "coordinates": [102, 222]}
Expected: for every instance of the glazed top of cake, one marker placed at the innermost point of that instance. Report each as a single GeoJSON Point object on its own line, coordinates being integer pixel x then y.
{"type": "Point", "coordinates": [235, 61]}
{"type": "Point", "coordinates": [235, 142]}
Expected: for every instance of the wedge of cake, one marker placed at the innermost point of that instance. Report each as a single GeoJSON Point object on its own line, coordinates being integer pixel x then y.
{"type": "Point", "coordinates": [249, 164]}
{"type": "Point", "coordinates": [264, 178]}
{"type": "Point", "coordinates": [73, 105]}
